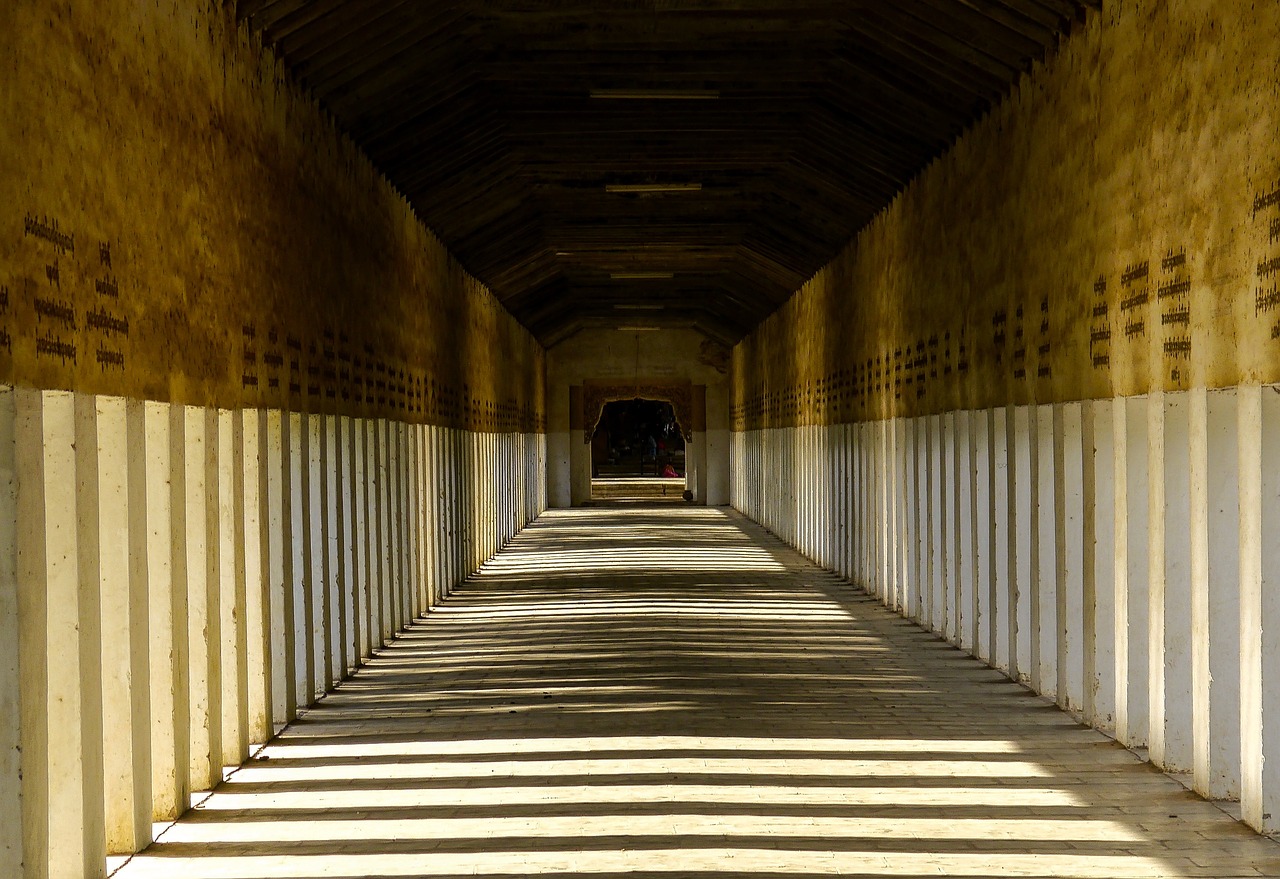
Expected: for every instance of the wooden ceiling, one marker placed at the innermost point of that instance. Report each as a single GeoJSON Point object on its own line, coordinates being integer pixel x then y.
{"type": "Point", "coordinates": [788, 123]}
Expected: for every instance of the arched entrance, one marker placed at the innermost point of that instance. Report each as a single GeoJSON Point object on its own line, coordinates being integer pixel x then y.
{"type": "Point", "coordinates": [637, 437]}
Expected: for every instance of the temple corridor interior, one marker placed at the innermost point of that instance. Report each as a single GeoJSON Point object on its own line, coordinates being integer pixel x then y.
{"type": "Point", "coordinates": [321, 549]}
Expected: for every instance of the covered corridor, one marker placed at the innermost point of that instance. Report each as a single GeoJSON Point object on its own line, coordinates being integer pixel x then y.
{"type": "Point", "coordinates": [959, 323]}
{"type": "Point", "coordinates": [673, 692]}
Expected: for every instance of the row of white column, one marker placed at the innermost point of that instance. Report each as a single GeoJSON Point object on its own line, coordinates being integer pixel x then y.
{"type": "Point", "coordinates": [1121, 556]}
{"type": "Point", "coordinates": [177, 582]}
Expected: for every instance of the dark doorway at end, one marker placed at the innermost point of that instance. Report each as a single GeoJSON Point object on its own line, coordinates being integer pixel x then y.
{"type": "Point", "coordinates": [637, 453]}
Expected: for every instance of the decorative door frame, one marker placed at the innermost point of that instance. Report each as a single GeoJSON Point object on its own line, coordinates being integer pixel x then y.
{"type": "Point", "coordinates": [678, 394]}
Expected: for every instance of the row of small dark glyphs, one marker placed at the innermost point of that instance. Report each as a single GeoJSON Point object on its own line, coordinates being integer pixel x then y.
{"type": "Point", "coordinates": [70, 316]}
{"type": "Point", "coordinates": [909, 372]}
{"type": "Point", "coordinates": [1173, 297]}
{"type": "Point", "coordinates": [1266, 221]}
{"type": "Point", "coordinates": [74, 302]}
{"type": "Point", "coordinates": [347, 375]}
{"type": "Point", "coordinates": [1145, 295]}
{"type": "Point", "coordinates": [1031, 351]}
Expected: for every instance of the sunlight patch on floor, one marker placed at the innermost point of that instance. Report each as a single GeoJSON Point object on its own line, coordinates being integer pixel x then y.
{"type": "Point", "coordinates": [643, 694]}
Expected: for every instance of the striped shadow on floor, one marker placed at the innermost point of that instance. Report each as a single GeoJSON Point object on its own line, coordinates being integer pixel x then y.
{"type": "Point", "coordinates": [671, 692]}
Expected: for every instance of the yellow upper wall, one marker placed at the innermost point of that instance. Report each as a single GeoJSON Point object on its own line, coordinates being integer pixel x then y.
{"type": "Point", "coordinates": [179, 222]}
{"type": "Point", "coordinates": [1111, 228]}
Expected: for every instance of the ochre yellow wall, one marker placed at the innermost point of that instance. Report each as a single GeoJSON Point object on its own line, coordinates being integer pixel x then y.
{"type": "Point", "coordinates": [179, 222]}
{"type": "Point", "coordinates": [1111, 228]}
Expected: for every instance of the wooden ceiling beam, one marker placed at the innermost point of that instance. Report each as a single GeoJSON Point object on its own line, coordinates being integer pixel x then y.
{"type": "Point", "coordinates": [347, 33]}
{"type": "Point", "coordinates": [404, 57]}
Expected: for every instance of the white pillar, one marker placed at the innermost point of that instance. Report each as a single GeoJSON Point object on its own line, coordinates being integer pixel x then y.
{"type": "Point", "coordinates": [343, 545]}
{"type": "Point", "coordinates": [11, 811]}
{"type": "Point", "coordinates": [1178, 755]}
{"type": "Point", "coordinates": [491, 477]}
{"type": "Point", "coordinates": [360, 514]}
{"type": "Point", "coordinates": [835, 513]}
{"type": "Point", "coordinates": [1198, 442]}
{"type": "Point", "coordinates": [435, 517]}
{"type": "Point", "coordinates": [313, 540]}
{"type": "Point", "coordinates": [956, 558]}
{"type": "Point", "coordinates": [165, 427]}
{"type": "Point", "coordinates": [1215, 605]}
{"type": "Point", "coordinates": [982, 458]}
{"type": "Point", "coordinates": [1062, 549]}
{"type": "Point", "coordinates": [878, 521]}
{"type": "Point", "coordinates": [421, 488]}
{"type": "Point", "coordinates": [1013, 584]}
{"type": "Point", "coordinates": [901, 570]}
{"type": "Point", "coordinates": [792, 467]}
{"type": "Point", "coordinates": [1000, 587]}
{"type": "Point", "coordinates": [819, 521]}
{"type": "Point", "coordinates": [1087, 618]}
{"type": "Point", "coordinates": [404, 550]}
{"type": "Point", "coordinates": [58, 637]}
{"type": "Point", "coordinates": [1052, 510]}
{"type": "Point", "coordinates": [204, 637]}
{"type": "Point", "coordinates": [376, 534]}
{"type": "Point", "coordinates": [460, 506]}
{"type": "Point", "coordinates": [258, 620]}
{"type": "Point", "coordinates": [1023, 499]}
{"type": "Point", "coordinates": [394, 552]}
{"type": "Point", "coordinates": [966, 595]}
{"type": "Point", "coordinates": [952, 543]}
{"type": "Point", "coordinates": [1103, 682]}
{"type": "Point", "coordinates": [858, 550]}
{"type": "Point", "coordinates": [848, 489]}
{"type": "Point", "coordinates": [1074, 570]}
{"type": "Point", "coordinates": [330, 671]}
{"type": "Point", "coordinates": [84, 631]}
{"type": "Point", "coordinates": [1129, 431]}
{"type": "Point", "coordinates": [233, 623]}
{"type": "Point", "coordinates": [384, 582]}
{"type": "Point", "coordinates": [126, 702]}
{"type": "Point", "coordinates": [1156, 532]}
{"type": "Point", "coordinates": [298, 632]}
{"type": "Point", "coordinates": [913, 536]}
{"type": "Point", "coordinates": [938, 531]}
{"type": "Point", "coordinates": [1035, 549]}
{"type": "Point", "coordinates": [1259, 462]}
{"type": "Point", "coordinates": [279, 548]}
{"type": "Point", "coordinates": [449, 524]}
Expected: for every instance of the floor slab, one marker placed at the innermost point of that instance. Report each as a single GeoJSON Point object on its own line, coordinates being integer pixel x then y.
{"type": "Point", "coordinates": [671, 692]}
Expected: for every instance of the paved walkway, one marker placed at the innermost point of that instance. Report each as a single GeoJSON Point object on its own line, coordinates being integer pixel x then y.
{"type": "Point", "coordinates": [672, 693]}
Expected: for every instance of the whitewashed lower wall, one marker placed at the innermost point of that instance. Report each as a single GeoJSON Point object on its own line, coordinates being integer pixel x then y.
{"type": "Point", "coordinates": [1119, 556]}
{"type": "Point", "coordinates": [176, 583]}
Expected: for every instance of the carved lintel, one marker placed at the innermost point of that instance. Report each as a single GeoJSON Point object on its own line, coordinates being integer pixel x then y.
{"type": "Point", "coordinates": [679, 395]}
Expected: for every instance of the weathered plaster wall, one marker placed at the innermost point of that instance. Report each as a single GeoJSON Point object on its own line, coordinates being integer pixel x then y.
{"type": "Point", "coordinates": [178, 222]}
{"type": "Point", "coordinates": [1112, 228]}
{"type": "Point", "coordinates": [619, 357]}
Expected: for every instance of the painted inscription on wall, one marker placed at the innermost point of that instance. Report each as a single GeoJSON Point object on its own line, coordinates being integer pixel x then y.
{"type": "Point", "coordinates": [1139, 315]}
{"type": "Point", "coordinates": [74, 322]}
{"type": "Point", "coordinates": [67, 316]}
{"type": "Point", "coordinates": [911, 372]}
{"type": "Point", "coordinates": [1266, 223]}
{"type": "Point", "coordinates": [1173, 301]}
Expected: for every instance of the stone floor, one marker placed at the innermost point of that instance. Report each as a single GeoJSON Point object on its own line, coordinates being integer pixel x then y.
{"type": "Point", "coordinates": [671, 693]}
